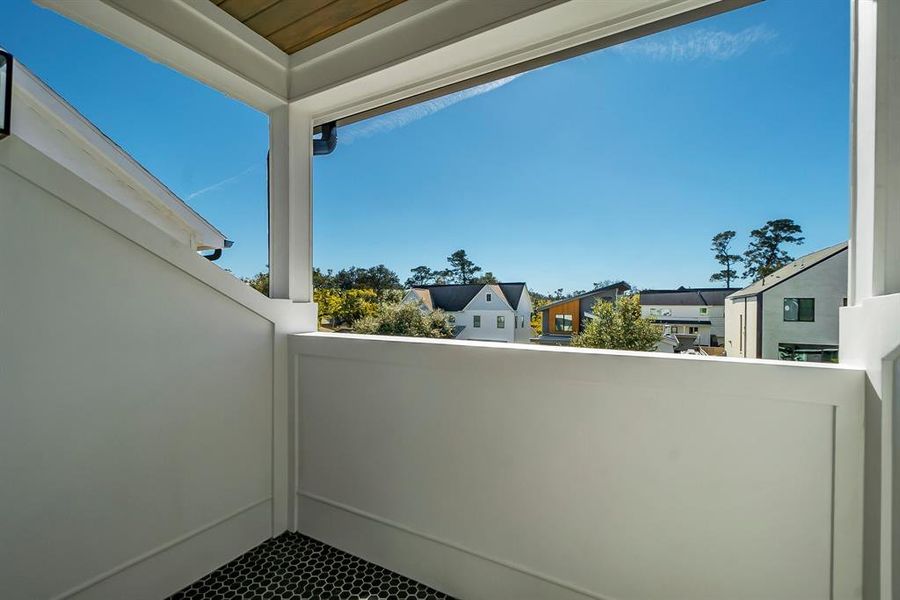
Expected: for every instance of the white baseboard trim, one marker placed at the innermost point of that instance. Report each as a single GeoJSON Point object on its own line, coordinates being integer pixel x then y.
{"type": "Point", "coordinates": [444, 565]}
{"type": "Point", "coordinates": [169, 567]}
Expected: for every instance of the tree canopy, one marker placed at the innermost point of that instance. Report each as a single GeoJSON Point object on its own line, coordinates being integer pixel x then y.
{"type": "Point", "coordinates": [765, 255]}
{"type": "Point", "coordinates": [619, 326]}
{"type": "Point", "coordinates": [721, 247]}
{"type": "Point", "coordinates": [378, 278]}
{"type": "Point", "coordinates": [460, 269]}
{"type": "Point", "coordinates": [405, 319]}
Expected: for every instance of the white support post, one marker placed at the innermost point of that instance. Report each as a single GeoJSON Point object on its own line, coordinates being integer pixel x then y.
{"type": "Point", "coordinates": [290, 204]}
{"type": "Point", "coordinates": [290, 278]}
{"type": "Point", "coordinates": [870, 326]}
{"type": "Point", "coordinates": [875, 208]}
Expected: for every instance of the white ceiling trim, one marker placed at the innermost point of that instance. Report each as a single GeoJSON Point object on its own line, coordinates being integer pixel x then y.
{"type": "Point", "coordinates": [194, 37]}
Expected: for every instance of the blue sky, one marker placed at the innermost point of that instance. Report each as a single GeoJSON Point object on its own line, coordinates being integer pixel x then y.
{"type": "Point", "coordinates": [618, 164]}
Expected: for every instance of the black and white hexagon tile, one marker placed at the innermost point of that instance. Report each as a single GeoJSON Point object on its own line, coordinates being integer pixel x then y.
{"type": "Point", "coordinates": [293, 566]}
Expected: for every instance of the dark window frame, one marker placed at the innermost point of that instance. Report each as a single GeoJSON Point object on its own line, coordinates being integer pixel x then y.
{"type": "Point", "coordinates": [802, 315]}
{"type": "Point", "coordinates": [566, 319]}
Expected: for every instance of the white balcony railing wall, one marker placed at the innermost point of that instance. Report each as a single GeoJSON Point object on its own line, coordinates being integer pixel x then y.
{"type": "Point", "coordinates": [498, 472]}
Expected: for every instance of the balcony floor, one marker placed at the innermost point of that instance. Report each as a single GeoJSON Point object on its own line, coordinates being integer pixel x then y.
{"type": "Point", "coordinates": [293, 566]}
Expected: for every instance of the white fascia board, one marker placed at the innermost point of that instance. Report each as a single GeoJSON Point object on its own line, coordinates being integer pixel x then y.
{"type": "Point", "coordinates": [448, 43]}
{"type": "Point", "coordinates": [194, 37]}
{"type": "Point", "coordinates": [44, 121]}
{"type": "Point", "coordinates": [493, 289]}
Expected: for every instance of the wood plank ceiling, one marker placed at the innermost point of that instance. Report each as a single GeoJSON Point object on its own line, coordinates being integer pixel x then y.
{"type": "Point", "coordinates": [295, 24]}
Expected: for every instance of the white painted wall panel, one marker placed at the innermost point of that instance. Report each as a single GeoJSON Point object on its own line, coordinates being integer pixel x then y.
{"type": "Point", "coordinates": [136, 404]}
{"type": "Point", "coordinates": [603, 473]}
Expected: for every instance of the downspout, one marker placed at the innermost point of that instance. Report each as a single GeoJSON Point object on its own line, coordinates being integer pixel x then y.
{"type": "Point", "coordinates": [328, 142]}
{"type": "Point", "coordinates": [217, 253]}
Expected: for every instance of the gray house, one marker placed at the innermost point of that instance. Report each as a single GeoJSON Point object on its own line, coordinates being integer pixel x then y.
{"type": "Point", "coordinates": [791, 314]}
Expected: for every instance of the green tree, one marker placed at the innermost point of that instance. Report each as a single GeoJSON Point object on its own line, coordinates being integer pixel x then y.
{"type": "Point", "coordinates": [329, 301]}
{"type": "Point", "coordinates": [378, 278]}
{"type": "Point", "coordinates": [356, 305]}
{"type": "Point", "coordinates": [405, 319]}
{"type": "Point", "coordinates": [259, 282]}
{"type": "Point", "coordinates": [421, 275]}
{"type": "Point", "coordinates": [462, 270]}
{"type": "Point", "coordinates": [765, 254]}
{"type": "Point", "coordinates": [323, 280]}
{"type": "Point", "coordinates": [721, 247]}
{"type": "Point", "coordinates": [487, 278]}
{"type": "Point", "coordinates": [537, 321]}
{"type": "Point", "coordinates": [619, 326]}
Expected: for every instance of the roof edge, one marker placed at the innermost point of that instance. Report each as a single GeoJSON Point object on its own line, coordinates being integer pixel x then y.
{"type": "Point", "coordinates": [838, 248]}
{"type": "Point", "coordinates": [81, 132]}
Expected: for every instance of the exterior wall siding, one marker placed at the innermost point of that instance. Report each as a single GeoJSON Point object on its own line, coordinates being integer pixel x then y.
{"type": "Point", "coordinates": [741, 333]}
{"type": "Point", "coordinates": [827, 283]}
{"type": "Point", "coordinates": [572, 307]}
{"type": "Point", "coordinates": [137, 427]}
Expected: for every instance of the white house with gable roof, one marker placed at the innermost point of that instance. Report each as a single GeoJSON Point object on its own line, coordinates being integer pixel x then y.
{"type": "Point", "coordinates": [493, 312]}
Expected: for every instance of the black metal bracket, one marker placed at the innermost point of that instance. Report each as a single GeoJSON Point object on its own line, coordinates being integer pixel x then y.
{"type": "Point", "coordinates": [5, 119]}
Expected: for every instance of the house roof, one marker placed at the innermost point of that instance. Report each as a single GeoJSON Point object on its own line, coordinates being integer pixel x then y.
{"type": "Point", "coordinates": [789, 270]}
{"type": "Point", "coordinates": [455, 297]}
{"type": "Point", "coordinates": [619, 287]}
{"type": "Point", "coordinates": [513, 292]}
{"type": "Point", "coordinates": [89, 154]}
{"type": "Point", "coordinates": [424, 296]}
{"type": "Point", "coordinates": [686, 297]}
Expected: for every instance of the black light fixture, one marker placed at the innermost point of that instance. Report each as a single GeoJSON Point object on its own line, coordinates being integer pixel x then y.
{"type": "Point", "coordinates": [6, 64]}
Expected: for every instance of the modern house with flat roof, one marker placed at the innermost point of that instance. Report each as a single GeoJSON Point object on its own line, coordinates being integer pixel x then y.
{"type": "Point", "coordinates": [563, 318]}
{"type": "Point", "coordinates": [491, 312]}
{"type": "Point", "coordinates": [793, 313]}
{"type": "Point", "coordinates": [695, 316]}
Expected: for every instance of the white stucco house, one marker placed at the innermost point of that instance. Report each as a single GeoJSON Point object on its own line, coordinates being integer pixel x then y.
{"type": "Point", "coordinates": [487, 312]}
{"type": "Point", "coordinates": [695, 316]}
{"type": "Point", "coordinates": [793, 313]}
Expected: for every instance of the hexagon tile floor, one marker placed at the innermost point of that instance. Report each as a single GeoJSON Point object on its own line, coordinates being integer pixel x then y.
{"type": "Point", "coordinates": [293, 566]}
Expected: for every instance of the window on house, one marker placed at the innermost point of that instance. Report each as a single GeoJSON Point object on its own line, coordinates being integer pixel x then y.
{"type": "Point", "coordinates": [675, 329]}
{"type": "Point", "coordinates": [476, 321]}
{"type": "Point", "coordinates": [501, 321]}
{"type": "Point", "coordinates": [800, 309]}
{"type": "Point", "coordinates": [488, 297]}
{"type": "Point", "coordinates": [704, 310]}
{"type": "Point", "coordinates": [693, 330]}
{"type": "Point", "coordinates": [563, 323]}
{"type": "Point", "coordinates": [808, 353]}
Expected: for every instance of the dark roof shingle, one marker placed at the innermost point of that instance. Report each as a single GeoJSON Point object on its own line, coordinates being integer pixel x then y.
{"type": "Point", "coordinates": [455, 297]}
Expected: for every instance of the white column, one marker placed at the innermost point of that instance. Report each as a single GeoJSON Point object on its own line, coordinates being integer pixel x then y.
{"type": "Point", "coordinates": [870, 326]}
{"type": "Point", "coordinates": [290, 204]}
{"type": "Point", "coordinates": [875, 177]}
{"type": "Point", "coordinates": [290, 278]}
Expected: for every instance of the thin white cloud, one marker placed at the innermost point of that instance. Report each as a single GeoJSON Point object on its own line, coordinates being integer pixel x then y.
{"type": "Point", "coordinates": [223, 183]}
{"type": "Point", "coordinates": [698, 44]}
{"type": "Point", "coordinates": [405, 116]}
